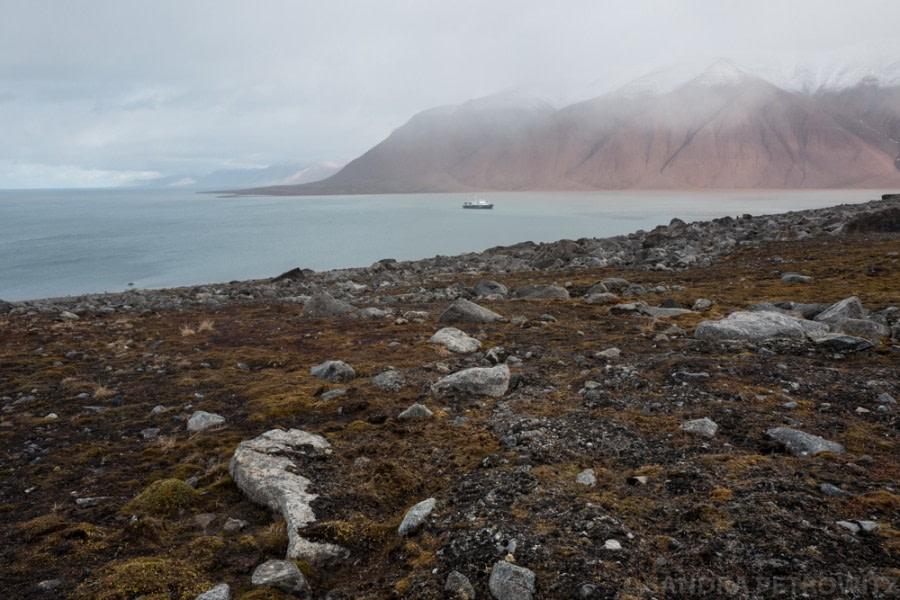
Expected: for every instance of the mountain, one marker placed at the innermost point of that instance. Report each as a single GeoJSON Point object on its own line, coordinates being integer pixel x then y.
{"type": "Point", "coordinates": [263, 176]}
{"type": "Point", "coordinates": [726, 127]}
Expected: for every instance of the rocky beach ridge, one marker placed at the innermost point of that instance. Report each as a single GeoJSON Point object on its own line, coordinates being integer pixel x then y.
{"type": "Point", "coordinates": [703, 410]}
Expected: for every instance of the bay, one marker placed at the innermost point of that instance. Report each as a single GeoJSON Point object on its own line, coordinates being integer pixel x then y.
{"type": "Point", "coordinates": [70, 242]}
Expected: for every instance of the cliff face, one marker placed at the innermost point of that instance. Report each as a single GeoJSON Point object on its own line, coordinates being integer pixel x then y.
{"type": "Point", "coordinates": [733, 131]}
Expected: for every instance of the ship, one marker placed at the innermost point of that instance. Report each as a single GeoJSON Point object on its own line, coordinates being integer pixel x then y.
{"type": "Point", "coordinates": [479, 203]}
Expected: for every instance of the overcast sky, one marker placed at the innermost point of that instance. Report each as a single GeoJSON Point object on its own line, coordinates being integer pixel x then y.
{"type": "Point", "coordinates": [100, 92]}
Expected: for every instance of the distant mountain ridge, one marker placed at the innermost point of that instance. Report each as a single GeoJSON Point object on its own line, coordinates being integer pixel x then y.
{"type": "Point", "coordinates": [726, 127]}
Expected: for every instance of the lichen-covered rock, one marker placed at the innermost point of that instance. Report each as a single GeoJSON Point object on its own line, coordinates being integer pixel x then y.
{"type": "Point", "coordinates": [201, 420]}
{"type": "Point", "coordinates": [455, 340]}
{"type": "Point", "coordinates": [477, 381]}
{"type": "Point", "coordinates": [325, 305]}
{"type": "Point", "coordinates": [265, 469]}
{"type": "Point", "coordinates": [705, 427]}
{"type": "Point", "coordinates": [464, 311]}
{"type": "Point", "coordinates": [415, 517]}
{"type": "Point", "coordinates": [541, 292]}
{"type": "Point", "coordinates": [283, 575]}
{"type": "Point", "coordinates": [848, 308]}
{"type": "Point", "coordinates": [220, 592]}
{"type": "Point", "coordinates": [414, 412]}
{"type": "Point", "coordinates": [390, 380]}
{"type": "Point", "coordinates": [511, 582]}
{"type": "Point", "coordinates": [758, 326]}
{"type": "Point", "coordinates": [800, 443]}
{"type": "Point", "coordinates": [335, 371]}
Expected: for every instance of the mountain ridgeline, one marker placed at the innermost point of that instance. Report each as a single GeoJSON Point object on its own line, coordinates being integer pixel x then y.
{"type": "Point", "coordinates": [725, 129]}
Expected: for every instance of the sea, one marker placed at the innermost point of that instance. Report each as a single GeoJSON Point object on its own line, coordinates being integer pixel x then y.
{"type": "Point", "coordinates": [70, 242]}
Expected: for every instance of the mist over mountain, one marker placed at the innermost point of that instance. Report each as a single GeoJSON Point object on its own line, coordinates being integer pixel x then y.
{"type": "Point", "coordinates": [830, 125]}
{"type": "Point", "coordinates": [258, 177]}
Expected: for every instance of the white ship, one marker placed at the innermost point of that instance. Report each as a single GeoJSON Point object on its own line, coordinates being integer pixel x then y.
{"type": "Point", "coordinates": [480, 203]}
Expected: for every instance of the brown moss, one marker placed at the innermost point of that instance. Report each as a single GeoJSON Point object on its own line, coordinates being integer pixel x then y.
{"type": "Point", "coordinates": [162, 497]}
{"type": "Point", "coordinates": [141, 577]}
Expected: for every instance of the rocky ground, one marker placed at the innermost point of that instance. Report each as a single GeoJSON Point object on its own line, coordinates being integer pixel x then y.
{"type": "Point", "coordinates": [706, 410]}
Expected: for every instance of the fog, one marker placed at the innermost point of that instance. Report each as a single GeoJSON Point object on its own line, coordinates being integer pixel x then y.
{"type": "Point", "coordinates": [105, 92]}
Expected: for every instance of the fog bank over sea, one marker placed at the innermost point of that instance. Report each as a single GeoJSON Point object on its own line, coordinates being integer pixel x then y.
{"type": "Point", "coordinates": [68, 242]}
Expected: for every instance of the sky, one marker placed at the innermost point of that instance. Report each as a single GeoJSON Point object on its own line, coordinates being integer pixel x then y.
{"type": "Point", "coordinates": [97, 93]}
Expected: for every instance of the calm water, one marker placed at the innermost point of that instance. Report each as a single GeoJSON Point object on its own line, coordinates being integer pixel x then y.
{"type": "Point", "coordinates": [66, 242]}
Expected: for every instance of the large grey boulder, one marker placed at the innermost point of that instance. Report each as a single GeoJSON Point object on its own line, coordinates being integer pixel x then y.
{"type": "Point", "coordinates": [800, 443]}
{"type": "Point", "coordinates": [477, 381]}
{"type": "Point", "coordinates": [848, 308]}
{"type": "Point", "coordinates": [486, 287]}
{"type": "Point", "coordinates": [463, 311]}
{"type": "Point", "coordinates": [758, 326]}
{"type": "Point", "coordinates": [265, 469]}
{"type": "Point", "coordinates": [324, 305]}
{"type": "Point", "coordinates": [541, 292]}
{"type": "Point", "coordinates": [335, 371]}
{"type": "Point", "coordinates": [283, 575]}
{"type": "Point", "coordinates": [415, 517]}
{"type": "Point", "coordinates": [863, 328]}
{"type": "Point", "coordinates": [511, 582]}
{"type": "Point", "coordinates": [201, 420]}
{"type": "Point", "coordinates": [455, 340]}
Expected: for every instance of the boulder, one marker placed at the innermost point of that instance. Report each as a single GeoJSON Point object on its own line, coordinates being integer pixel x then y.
{"type": "Point", "coordinates": [511, 582]}
{"type": "Point", "coordinates": [863, 328]}
{"type": "Point", "coordinates": [283, 575]}
{"type": "Point", "coordinates": [601, 298]}
{"type": "Point", "coordinates": [335, 371]}
{"type": "Point", "coordinates": [486, 287]}
{"type": "Point", "coordinates": [705, 427]}
{"type": "Point", "coordinates": [848, 308]}
{"type": "Point", "coordinates": [324, 305]}
{"type": "Point", "coordinates": [389, 380]}
{"type": "Point", "coordinates": [415, 517]}
{"type": "Point", "coordinates": [477, 381]}
{"type": "Point", "coordinates": [843, 343]}
{"type": "Point", "coordinates": [541, 292]}
{"type": "Point", "coordinates": [800, 443]}
{"type": "Point", "coordinates": [201, 420]}
{"type": "Point", "coordinates": [415, 411]}
{"type": "Point", "coordinates": [265, 469]}
{"type": "Point", "coordinates": [464, 311]}
{"type": "Point", "coordinates": [455, 340]}
{"type": "Point", "coordinates": [758, 326]}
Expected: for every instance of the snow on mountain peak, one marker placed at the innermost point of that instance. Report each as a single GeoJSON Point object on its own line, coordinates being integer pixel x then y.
{"type": "Point", "coordinates": [722, 72]}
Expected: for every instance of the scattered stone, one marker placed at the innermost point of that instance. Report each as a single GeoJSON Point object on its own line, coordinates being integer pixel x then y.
{"type": "Point", "coordinates": [416, 516]}
{"type": "Point", "coordinates": [332, 394]}
{"type": "Point", "coordinates": [50, 585]}
{"type": "Point", "coordinates": [390, 380]}
{"type": "Point", "coordinates": [609, 353]}
{"type": "Point", "coordinates": [848, 525]}
{"type": "Point", "coordinates": [862, 328]}
{"type": "Point", "coordinates": [868, 526]}
{"type": "Point", "coordinates": [68, 316]}
{"type": "Point", "coordinates": [833, 491]}
{"type": "Point", "coordinates": [602, 298]}
{"type": "Point", "coordinates": [335, 371]}
{"type": "Point", "coordinates": [455, 341]}
{"type": "Point", "coordinates": [91, 502]}
{"type": "Point", "coordinates": [201, 420]}
{"type": "Point", "coordinates": [511, 582]}
{"type": "Point", "coordinates": [638, 480]}
{"type": "Point", "coordinates": [324, 305]}
{"type": "Point", "coordinates": [477, 381]}
{"type": "Point", "coordinates": [800, 443]}
{"type": "Point", "coordinates": [758, 326]}
{"type": "Point", "coordinates": [459, 587]}
{"type": "Point", "coordinates": [486, 287]}
{"type": "Point", "coordinates": [705, 427]}
{"type": "Point", "coordinates": [464, 311]}
{"type": "Point", "coordinates": [701, 304]}
{"type": "Point", "coordinates": [370, 313]}
{"type": "Point", "coordinates": [541, 292]}
{"type": "Point", "coordinates": [264, 469]}
{"type": "Point", "coordinates": [844, 343]}
{"type": "Point", "coordinates": [220, 592]}
{"type": "Point", "coordinates": [281, 574]}
{"type": "Point", "coordinates": [613, 545]}
{"type": "Point", "coordinates": [416, 411]}
{"type": "Point", "coordinates": [796, 278]}
{"type": "Point", "coordinates": [150, 434]}
{"type": "Point", "coordinates": [586, 477]}
{"type": "Point", "coordinates": [233, 525]}
{"type": "Point", "coordinates": [658, 312]}
{"type": "Point", "coordinates": [495, 355]}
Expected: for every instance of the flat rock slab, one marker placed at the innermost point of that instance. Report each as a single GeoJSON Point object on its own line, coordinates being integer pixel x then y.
{"type": "Point", "coordinates": [415, 516]}
{"type": "Point", "coordinates": [511, 582]}
{"type": "Point", "coordinates": [848, 308]}
{"type": "Point", "coordinates": [335, 371]}
{"type": "Point", "coordinates": [800, 443]}
{"type": "Point", "coordinates": [541, 292]}
{"type": "Point", "coordinates": [324, 305]}
{"type": "Point", "coordinates": [464, 311]}
{"type": "Point", "coordinates": [758, 326]}
{"type": "Point", "coordinates": [661, 312]}
{"type": "Point", "coordinates": [265, 469]}
{"type": "Point", "coordinates": [455, 340]}
{"type": "Point", "coordinates": [844, 343]}
{"type": "Point", "coordinates": [477, 381]}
